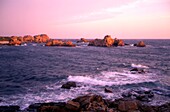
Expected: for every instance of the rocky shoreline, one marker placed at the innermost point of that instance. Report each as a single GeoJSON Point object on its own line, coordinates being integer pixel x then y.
{"type": "Point", "coordinates": [131, 101]}
{"type": "Point", "coordinates": [93, 103]}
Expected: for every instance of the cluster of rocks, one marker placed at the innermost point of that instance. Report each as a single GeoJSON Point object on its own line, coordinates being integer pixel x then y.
{"type": "Point", "coordinates": [82, 40]}
{"type": "Point", "coordinates": [131, 101]}
{"type": "Point", "coordinates": [18, 40]}
{"type": "Point", "coordinates": [107, 42]}
{"type": "Point", "coordinates": [54, 42]}
{"type": "Point", "coordinates": [91, 103]}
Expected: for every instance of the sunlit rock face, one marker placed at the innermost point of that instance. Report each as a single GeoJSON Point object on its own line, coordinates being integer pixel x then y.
{"type": "Point", "coordinates": [60, 43]}
{"type": "Point", "coordinates": [108, 41]}
{"type": "Point", "coordinates": [42, 38]}
{"type": "Point", "coordinates": [141, 44]}
{"type": "Point", "coordinates": [28, 38]}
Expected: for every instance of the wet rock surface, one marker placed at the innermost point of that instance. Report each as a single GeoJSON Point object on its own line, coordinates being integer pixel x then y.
{"type": "Point", "coordinates": [137, 70]}
{"type": "Point", "coordinates": [141, 95]}
{"type": "Point", "coordinates": [68, 85]}
{"type": "Point", "coordinates": [92, 103]}
{"type": "Point", "coordinates": [108, 90]}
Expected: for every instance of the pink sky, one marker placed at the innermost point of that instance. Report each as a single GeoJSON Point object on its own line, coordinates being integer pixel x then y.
{"type": "Point", "coordinates": [86, 18]}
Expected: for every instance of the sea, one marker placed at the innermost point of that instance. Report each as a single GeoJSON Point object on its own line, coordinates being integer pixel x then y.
{"type": "Point", "coordinates": [33, 73]}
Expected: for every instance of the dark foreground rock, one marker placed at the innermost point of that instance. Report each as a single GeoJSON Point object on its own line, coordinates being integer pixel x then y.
{"type": "Point", "coordinates": [141, 95]}
{"type": "Point", "coordinates": [108, 90]}
{"type": "Point", "coordinates": [9, 108]}
{"type": "Point", "coordinates": [68, 85]}
{"type": "Point", "coordinates": [92, 103]}
{"type": "Point", "coordinates": [137, 70]}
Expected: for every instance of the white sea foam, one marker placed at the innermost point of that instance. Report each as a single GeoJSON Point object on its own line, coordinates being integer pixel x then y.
{"type": "Point", "coordinates": [88, 84]}
{"type": "Point", "coordinates": [138, 66]}
{"type": "Point", "coordinates": [112, 78]}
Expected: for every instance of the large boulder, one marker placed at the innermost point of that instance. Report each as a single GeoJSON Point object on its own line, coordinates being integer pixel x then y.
{"type": "Point", "coordinates": [141, 44]}
{"type": "Point", "coordinates": [108, 41]}
{"type": "Point", "coordinates": [68, 85]}
{"type": "Point", "coordinates": [42, 38]}
{"type": "Point", "coordinates": [92, 103]}
{"type": "Point", "coordinates": [121, 43]}
{"type": "Point", "coordinates": [118, 42]}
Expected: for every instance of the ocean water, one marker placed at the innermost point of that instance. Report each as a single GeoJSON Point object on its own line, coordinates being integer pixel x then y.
{"type": "Point", "coordinates": [34, 73]}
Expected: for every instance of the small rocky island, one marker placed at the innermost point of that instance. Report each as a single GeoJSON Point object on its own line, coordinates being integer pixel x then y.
{"type": "Point", "coordinates": [18, 40]}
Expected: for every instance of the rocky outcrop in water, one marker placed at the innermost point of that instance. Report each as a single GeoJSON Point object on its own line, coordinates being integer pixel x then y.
{"type": "Point", "coordinates": [141, 95]}
{"type": "Point", "coordinates": [60, 43]}
{"type": "Point", "coordinates": [137, 70]}
{"type": "Point", "coordinates": [68, 85]}
{"type": "Point", "coordinates": [106, 42]}
{"type": "Point", "coordinates": [140, 44]}
{"type": "Point", "coordinates": [18, 40]}
{"type": "Point", "coordinates": [118, 42]}
{"type": "Point", "coordinates": [108, 90]}
{"type": "Point", "coordinates": [82, 40]}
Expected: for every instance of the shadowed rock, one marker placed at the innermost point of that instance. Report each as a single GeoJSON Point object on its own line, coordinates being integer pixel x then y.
{"type": "Point", "coordinates": [82, 40]}
{"type": "Point", "coordinates": [68, 85]}
{"type": "Point", "coordinates": [141, 95]}
{"type": "Point", "coordinates": [9, 108]}
{"type": "Point", "coordinates": [108, 90]}
{"type": "Point", "coordinates": [138, 70]}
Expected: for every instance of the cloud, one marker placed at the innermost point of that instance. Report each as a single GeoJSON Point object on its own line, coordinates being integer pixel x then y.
{"type": "Point", "coordinates": [106, 13]}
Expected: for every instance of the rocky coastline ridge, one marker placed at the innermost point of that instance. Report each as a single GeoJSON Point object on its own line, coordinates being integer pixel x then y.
{"type": "Point", "coordinates": [133, 101]}
{"type": "Point", "coordinates": [108, 41]}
